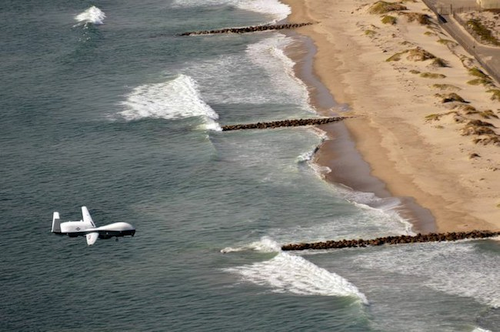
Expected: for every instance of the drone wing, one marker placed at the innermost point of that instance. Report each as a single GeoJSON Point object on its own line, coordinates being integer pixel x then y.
{"type": "Point", "coordinates": [89, 225]}
{"type": "Point", "coordinates": [87, 219]}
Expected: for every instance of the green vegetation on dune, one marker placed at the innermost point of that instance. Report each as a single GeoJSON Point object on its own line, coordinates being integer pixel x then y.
{"type": "Point", "coordinates": [415, 54]}
{"type": "Point", "coordinates": [370, 33]}
{"type": "Point", "coordinates": [420, 18]}
{"type": "Point", "coordinates": [395, 57]}
{"type": "Point", "coordinates": [447, 42]}
{"type": "Point", "coordinates": [383, 7]}
{"type": "Point", "coordinates": [478, 73]}
{"type": "Point", "coordinates": [387, 19]}
{"type": "Point", "coordinates": [438, 62]}
{"type": "Point", "coordinates": [446, 87]}
{"type": "Point", "coordinates": [479, 81]}
{"type": "Point", "coordinates": [419, 54]}
{"type": "Point", "coordinates": [488, 114]}
{"type": "Point", "coordinates": [483, 32]}
{"type": "Point", "coordinates": [450, 97]}
{"type": "Point", "coordinates": [482, 78]}
{"type": "Point", "coordinates": [495, 94]}
{"type": "Point", "coordinates": [432, 75]}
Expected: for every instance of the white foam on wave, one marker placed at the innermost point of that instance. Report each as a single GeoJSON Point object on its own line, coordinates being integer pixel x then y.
{"type": "Point", "coordinates": [266, 244]}
{"type": "Point", "coordinates": [285, 80]}
{"type": "Point", "coordinates": [364, 224]}
{"type": "Point", "coordinates": [320, 171]}
{"type": "Point", "coordinates": [305, 157]}
{"type": "Point", "coordinates": [228, 79]}
{"type": "Point", "coordinates": [91, 15]}
{"type": "Point", "coordinates": [373, 217]}
{"type": "Point", "coordinates": [478, 329]}
{"type": "Point", "coordinates": [261, 75]}
{"type": "Point", "coordinates": [287, 273]}
{"type": "Point", "coordinates": [274, 8]}
{"type": "Point", "coordinates": [380, 207]}
{"type": "Point", "coordinates": [279, 10]}
{"type": "Point", "coordinates": [460, 269]}
{"type": "Point", "coordinates": [175, 99]}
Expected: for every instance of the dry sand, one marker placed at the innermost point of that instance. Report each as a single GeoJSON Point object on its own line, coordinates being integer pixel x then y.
{"type": "Point", "coordinates": [412, 140]}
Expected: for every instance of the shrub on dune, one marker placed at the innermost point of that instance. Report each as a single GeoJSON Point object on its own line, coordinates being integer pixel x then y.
{"type": "Point", "coordinates": [482, 31]}
{"type": "Point", "coordinates": [489, 139]}
{"type": "Point", "coordinates": [450, 97]}
{"type": "Point", "coordinates": [419, 54]}
{"type": "Point", "coordinates": [447, 42]}
{"type": "Point", "coordinates": [383, 7]}
{"type": "Point", "coordinates": [432, 75]}
{"type": "Point", "coordinates": [478, 127]}
{"type": "Point", "coordinates": [420, 18]}
{"type": "Point", "coordinates": [488, 114]}
{"type": "Point", "coordinates": [447, 87]}
{"type": "Point", "coordinates": [438, 62]}
{"type": "Point", "coordinates": [495, 94]}
{"type": "Point", "coordinates": [387, 19]}
{"type": "Point", "coordinates": [370, 33]}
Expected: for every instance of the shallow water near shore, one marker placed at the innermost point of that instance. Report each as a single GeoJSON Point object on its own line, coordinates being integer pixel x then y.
{"type": "Point", "coordinates": [108, 108]}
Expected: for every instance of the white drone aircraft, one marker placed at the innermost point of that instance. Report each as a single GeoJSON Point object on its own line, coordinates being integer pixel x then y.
{"type": "Point", "coordinates": [87, 228]}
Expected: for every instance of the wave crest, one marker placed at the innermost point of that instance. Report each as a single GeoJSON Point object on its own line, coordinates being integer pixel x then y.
{"type": "Point", "coordinates": [293, 274]}
{"type": "Point", "coordinates": [276, 9]}
{"type": "Point", "coordinates": [175, 99]}
{"type": "Point", "coordinates": [92, 15]}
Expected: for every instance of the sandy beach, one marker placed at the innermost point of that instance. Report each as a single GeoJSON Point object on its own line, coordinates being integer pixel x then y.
{"type": "Point", "coordinates": [427, 120]}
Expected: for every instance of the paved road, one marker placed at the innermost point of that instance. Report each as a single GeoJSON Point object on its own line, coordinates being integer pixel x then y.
{"type": "Point", "coordinates": [488, 56]}
{"type": "Point", "coordinates": [445, 6]}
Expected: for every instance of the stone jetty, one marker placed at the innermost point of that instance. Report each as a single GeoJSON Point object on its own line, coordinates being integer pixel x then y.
{"type": "Point", "coordinates": [401, 239]}
{"type": "Point", "coordinates": [284, 123]}
{"type": "Point", "coordinates": [247, 29]}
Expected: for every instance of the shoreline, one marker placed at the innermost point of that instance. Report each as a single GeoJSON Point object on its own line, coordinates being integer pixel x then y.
{"type": "Point", "coordinates": [338, 152]}
{"type": "Point", "coordinates": [390, 145]}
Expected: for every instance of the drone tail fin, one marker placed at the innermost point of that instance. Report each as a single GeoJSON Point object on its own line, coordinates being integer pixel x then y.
{"type": "Point", "coordinates": [56, 223]}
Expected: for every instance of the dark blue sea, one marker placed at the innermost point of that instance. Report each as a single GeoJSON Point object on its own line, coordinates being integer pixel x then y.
{"type": "Point", "coordinates": [102, 104]}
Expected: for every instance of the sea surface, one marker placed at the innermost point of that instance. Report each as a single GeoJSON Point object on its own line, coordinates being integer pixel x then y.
{"type": "Point", "coordinates": [103, 105]}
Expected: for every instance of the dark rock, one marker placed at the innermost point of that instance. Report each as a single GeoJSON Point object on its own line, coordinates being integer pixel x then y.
{"type": "Point", "coordinates": [283, 123]}
{"type": "Point", "coordinates": [246, 29]}
{"type": "Point", "coordinates": [419, 238]}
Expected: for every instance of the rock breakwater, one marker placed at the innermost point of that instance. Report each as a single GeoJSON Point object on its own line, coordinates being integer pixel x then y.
{"type": "Point", "coordinates": [248, 29]}
{"type": "Point", "coordinates": [401, 239]}
{"type": "Point", "coordinates": [283, 123]}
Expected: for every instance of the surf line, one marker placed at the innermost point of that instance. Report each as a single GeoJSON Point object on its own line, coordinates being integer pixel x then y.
{"type": "Point", "coordinates": [248, 29]}
{"type": "Point", "coordinates": [401, 239]}
{"type": "Point", "coordinates": [285, 123]}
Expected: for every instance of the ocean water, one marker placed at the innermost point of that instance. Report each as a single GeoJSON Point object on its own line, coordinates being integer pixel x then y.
{"type": "Point", "coordinates": [103, 105]}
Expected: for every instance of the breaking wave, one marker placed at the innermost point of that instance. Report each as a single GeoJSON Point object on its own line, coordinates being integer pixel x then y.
{"type": "Point", "coordinates": [285, 80]}
{"type": "Point", "coordinates": [264, 245]}
{"type": "Point", "coordinates": [377, 207]}
{"type": "Point", "coordinates": [305, 157]}
{"type": "Point", "coordinates": [478, 329]}
{"type": "Point", "coordinates": [175, 99]}
{"type": "Point", "coordinates": [287, 273]}
{"type": "Point", "coordinates": [92, 15]}
{"type": "Point", "coordinates": [244, 78]}
{"type": "Point", "coordinates": [277, 10]}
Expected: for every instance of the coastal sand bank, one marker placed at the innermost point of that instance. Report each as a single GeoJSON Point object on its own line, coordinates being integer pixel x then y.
{"type": "Point", "coordinates": [408, 131]}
